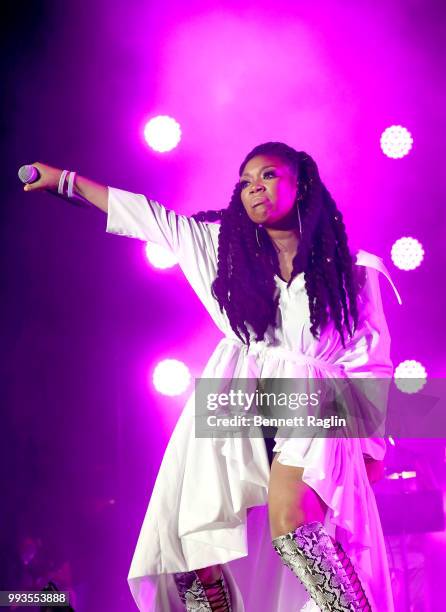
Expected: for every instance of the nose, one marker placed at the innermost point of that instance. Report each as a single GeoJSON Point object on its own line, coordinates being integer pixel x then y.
{"type": "Point", "coordinates": [256, 186]}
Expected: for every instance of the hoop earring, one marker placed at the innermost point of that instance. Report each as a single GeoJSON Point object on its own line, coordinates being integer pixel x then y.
{"type": "Point", "coordinates": [257, 236]}
{"type": "Point", "coordinates": [298, 218]}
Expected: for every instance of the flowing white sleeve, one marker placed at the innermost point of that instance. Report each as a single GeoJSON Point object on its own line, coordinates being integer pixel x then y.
{"type": "Point", "coordinates": [193, 243]}
{"type": "Point", "coordinates": [367, 354]}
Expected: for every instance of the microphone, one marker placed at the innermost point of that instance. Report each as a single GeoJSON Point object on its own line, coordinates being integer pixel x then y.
{"type": "Point", "coordinates": [29, 174]}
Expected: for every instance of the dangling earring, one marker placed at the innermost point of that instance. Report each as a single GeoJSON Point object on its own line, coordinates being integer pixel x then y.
{"type": "Point", "coordinates": [257, 235]}
{"type": "Point", "coordinates": [300, 224]}
{"type": "Point", "coordinates": [300, 197]}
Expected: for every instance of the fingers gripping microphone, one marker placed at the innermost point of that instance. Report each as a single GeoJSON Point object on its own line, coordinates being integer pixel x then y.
{"type": "Point", "coordinates": [29, 174]}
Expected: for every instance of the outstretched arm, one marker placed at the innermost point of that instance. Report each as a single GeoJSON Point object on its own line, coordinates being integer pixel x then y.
{"type": "Point", "coordinates": [194, 243]}
{"type": "Point", "coordinates": [93, 192]}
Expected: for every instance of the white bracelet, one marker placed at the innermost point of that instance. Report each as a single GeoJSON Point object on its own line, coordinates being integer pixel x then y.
{"type": "Point", "coordinates": [71, 178]}
{"type": "Point", "coordinates": [60, 189]}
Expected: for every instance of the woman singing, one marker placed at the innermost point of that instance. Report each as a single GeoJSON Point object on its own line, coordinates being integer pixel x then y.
{"type": "Point", "coordinates": [275, 272]}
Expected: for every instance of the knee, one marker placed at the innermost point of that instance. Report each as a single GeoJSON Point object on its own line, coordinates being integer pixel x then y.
{"type": "Point", "coordinates": [209, 574]}
{"type": "Point", "coordinates": [282, 521]}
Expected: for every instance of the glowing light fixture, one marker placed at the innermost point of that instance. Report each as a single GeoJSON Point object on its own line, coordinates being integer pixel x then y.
{"type": "Point", "coordinates": [171, 377]}
{"type": "Point", "coordinates": [159, 257]}
{"type": "Point", "coordinates": [162, 133]}
{"type": "Point", "coordinates": [410, 376]}
{"type": "Point", "coordinates": [396, 141]}
{"type": "Point", "coordinates": [407, 253]}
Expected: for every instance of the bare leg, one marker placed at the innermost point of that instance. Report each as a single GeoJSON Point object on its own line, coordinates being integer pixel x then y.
{"type": "Point", "coordinates": [209, 577]}
{"type": "Point", "coordinates": [209, 574]}
{"type": "Point", "coordinates": [291, 502]}
{"type": "Point", "coordinates": [297, 516]}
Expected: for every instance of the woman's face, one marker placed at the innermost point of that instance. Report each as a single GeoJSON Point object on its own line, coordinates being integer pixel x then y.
{"type": "Point", "coordinates": [268, 190]}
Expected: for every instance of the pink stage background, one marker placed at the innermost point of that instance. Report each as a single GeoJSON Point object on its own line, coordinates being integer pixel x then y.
{"type": "Point", "coordinates": [86, 319]}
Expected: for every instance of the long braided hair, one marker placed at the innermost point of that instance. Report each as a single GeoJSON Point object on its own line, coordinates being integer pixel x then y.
{"type": "Point", "coordinates": [247, 261]}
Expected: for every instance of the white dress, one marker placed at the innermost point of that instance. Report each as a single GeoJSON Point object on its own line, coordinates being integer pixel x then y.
{"type": "Point", "coordinates": [197, 515]}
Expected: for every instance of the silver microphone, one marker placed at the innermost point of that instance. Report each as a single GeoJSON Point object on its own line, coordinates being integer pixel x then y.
{"type": "Point", "coordinates": [29, 174]}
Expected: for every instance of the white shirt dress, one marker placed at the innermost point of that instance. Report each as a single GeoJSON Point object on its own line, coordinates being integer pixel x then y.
{"type": "Point", "coordinates": [197, 515]}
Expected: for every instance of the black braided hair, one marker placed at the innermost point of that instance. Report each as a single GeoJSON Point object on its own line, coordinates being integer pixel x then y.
{"type": "Point", "coordinates": [247, 261]}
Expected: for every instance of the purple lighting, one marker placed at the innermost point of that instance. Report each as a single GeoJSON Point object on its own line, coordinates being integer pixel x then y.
{"type": "Point", "coordinates": [410, 376]}
{"type": "Point", "coordinates": [396, 141]}
{"type": "Point", "coordinates": [102, 340]}
{"type": "Point", "coordinates": [162, 133]}
{"type": "Point", "coordinates": [159, 257]}
{"type": "Point", "coordinates": [407, 253]}
{"type": "Point", "coordinates": [171, 377]}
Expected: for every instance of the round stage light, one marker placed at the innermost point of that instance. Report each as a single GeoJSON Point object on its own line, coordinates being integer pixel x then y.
{"type": "Point", "coordinates": [410, 376]}
{"type": "Point", "coordinates": [162, 133]}
{"type": "Point", "coordinates": [407, 253]}
{"type": "Point", "coordinates": [171, 377]}
{"type": "Point", "coordinates": [159, 257]}
{"type": "Point", "coordinates": [396, 141]}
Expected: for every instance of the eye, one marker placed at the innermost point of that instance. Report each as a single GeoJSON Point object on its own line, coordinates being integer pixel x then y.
{"type": "Point", "coordinates": [269, 174]}
{"type": "Point", "coordinates": [243, 184]}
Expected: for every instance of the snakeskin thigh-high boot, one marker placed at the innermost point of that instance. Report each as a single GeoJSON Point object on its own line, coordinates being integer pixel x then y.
{"type": "Point", "coordinates": [199, 597]}
{"type": "Point", "coordinates": [323, 567]}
